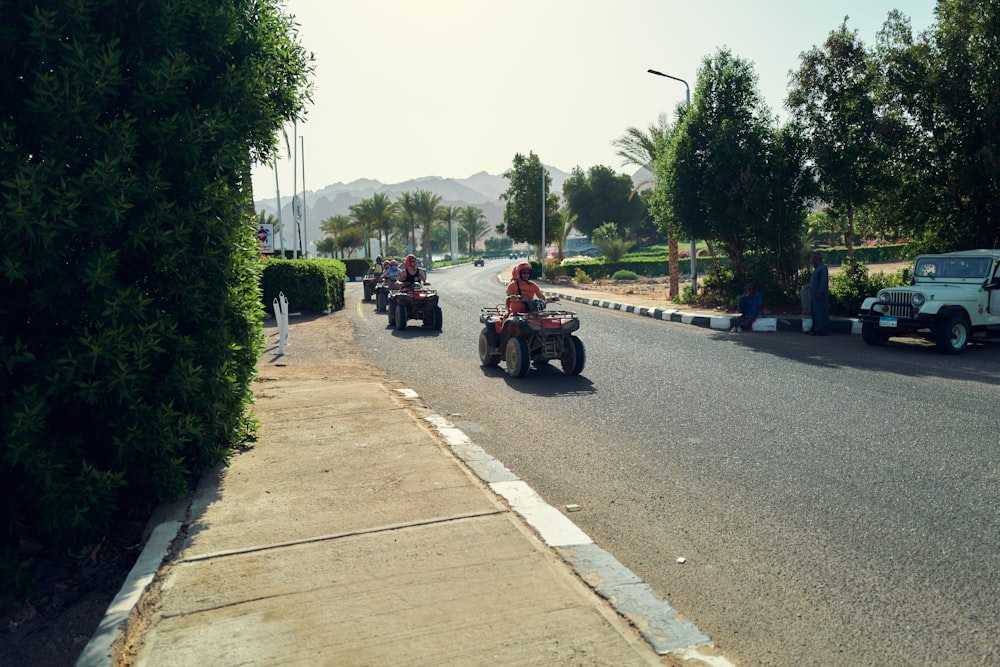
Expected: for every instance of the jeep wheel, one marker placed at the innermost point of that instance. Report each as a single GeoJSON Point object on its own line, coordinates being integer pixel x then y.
{"type": "Point", "coordinates": [873, 335]}
{"type": "Point", "coordinates": [486, 356]}
{"type": "Point", "coordinates": [516, 357]}
{"type": "Point", "coordinates": [952, 334]}
{"type": "Point", "coordinates": [573, 356]}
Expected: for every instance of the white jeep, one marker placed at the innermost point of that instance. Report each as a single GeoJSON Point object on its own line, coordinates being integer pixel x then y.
{"type": "Point", "coordinates": [950, 298]}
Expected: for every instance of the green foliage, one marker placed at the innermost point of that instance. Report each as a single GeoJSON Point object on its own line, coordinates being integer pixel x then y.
{"type": "Point", "coordinates": [939, 87]}
{"type": "Point", "coordinates": [130, 304]}
{"type": "Point", "coordinates": [603, 195]}
{"type": "Point", "coordinates": [833, 98]}
{"type": "Point", "coordinates": [316, 285]}
{"type": "Point", "coordinates": [852, 285]}
{"type": "Point", "coordinates": [729, 175]}
{"type": "Point", "coordinates": [580, 276]}
{"type": "Point", "coordinates": [356, 267]}
{"type": "Point", "coordinates": [624, 275]}
{"type": "Point", "coordinates": [611, 244]}
{"type": "Point", "coordinates": [522, 215]}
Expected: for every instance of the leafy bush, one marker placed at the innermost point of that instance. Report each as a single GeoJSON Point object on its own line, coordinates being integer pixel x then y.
{"type": "Point", "coordinates": [580, 276]}
{"type": "Point", "coordinates": [131, 308]}
{"type": "Point", "coordinates": [314, 284]}
{"type": "Point", "coordinates": [852, 286]}
{"type": "Point", "coordinates": [624, 275]}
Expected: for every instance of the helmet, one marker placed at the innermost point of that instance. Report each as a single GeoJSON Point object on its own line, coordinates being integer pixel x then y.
{"type": "Point", "coordinates": [410, 260]}
{"type": "Point", "coordinates": [393, 262]}
{"type": "Point", "coordinates": [523, 266]}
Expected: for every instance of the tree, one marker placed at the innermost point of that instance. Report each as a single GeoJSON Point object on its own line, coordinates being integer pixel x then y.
{"type": "Point", "coordinates": [334, 226]}
{"type": "Point", "coordinates": [730, 176]}
{"type": "Point", "coordinates": [568, 223]}
{"type": "Point", "coordinates": [639, 148]}
{"type": "Point", "coordinates": [523, 212]}
{"type": "Point", "coordinates": [131, 309]}
{"type": "Point", "coordinates": [381, 212]}
{"type": "Point", "coordinates": [941, 89]}
{"type": "Point", "coordinates": [426, 211]}
{"type": "Point", "coordinates": [475, 224]}
{"type": "Point", "coordinates": [446, 215]}
{"type": "Point", "coordinates": [602, 195]}
{"type": "Point", "coordinates": [833, 100]}
{"type": "Point", "coordinates": [642, 149]}
{"type": "Point", "coordinates": [406, 205]}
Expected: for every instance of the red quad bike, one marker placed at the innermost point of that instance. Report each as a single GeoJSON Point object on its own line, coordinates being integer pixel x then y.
{"type": "Point", "coordinates": [537, 336]}
{"type": "Point", "coordinates": [369, 281]}
{"type": "Point", "coordinates": [382, 295]}
{"type": "Point", "coordinates": [413, 303]}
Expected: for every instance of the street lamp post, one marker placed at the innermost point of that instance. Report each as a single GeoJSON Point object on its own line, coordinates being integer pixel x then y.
{"type": "Point", "coordinates": [694, 248]}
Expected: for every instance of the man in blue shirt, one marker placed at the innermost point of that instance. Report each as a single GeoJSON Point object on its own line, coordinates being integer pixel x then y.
{"type": "Point", "coordinates": [749, 306]}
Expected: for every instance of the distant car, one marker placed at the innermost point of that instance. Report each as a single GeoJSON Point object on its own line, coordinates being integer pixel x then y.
{"type": "Point", "coordinates": [479, 261]}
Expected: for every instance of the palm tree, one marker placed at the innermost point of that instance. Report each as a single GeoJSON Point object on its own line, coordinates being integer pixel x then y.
{"type": "Point", "coordinates": [640, 149]}
{"type": "Point", "coordinates": [446, 214]}
{"type": "Point", "coordinates": [568, 220]}
{"type": "Point", "coordinates": [426, 206]}
{"type": "Point", "coordinates": [335, 226]}
{"type": "Point", "coordinates": [475, 224]}
{"type": "Point", "coordinates": [406, 204]}
{"type": "Point", "coordinates": [382, 211]}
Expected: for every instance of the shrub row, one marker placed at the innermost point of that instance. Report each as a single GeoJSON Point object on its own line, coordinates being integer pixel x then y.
{"type": "Point", "coordinates": [312, 284]}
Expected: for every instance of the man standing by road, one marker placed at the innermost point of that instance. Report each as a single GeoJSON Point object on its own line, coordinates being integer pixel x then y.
{"type": "Point", "coordinates": [819, 296]}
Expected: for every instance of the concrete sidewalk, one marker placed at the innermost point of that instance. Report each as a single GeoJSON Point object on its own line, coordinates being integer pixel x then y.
{"type": "Point", "coordinates": [362, 529]}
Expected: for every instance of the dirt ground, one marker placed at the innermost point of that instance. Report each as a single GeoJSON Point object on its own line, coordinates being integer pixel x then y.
{"type": "Point", "coordinates": [51, 627]}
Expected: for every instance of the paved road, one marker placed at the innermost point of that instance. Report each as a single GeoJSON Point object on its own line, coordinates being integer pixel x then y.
{"type": "Point", "coordinates": [835, 504]}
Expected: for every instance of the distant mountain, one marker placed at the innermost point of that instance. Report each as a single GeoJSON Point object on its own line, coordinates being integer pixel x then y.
{"type": "Point", "coordinates": [481, 189]}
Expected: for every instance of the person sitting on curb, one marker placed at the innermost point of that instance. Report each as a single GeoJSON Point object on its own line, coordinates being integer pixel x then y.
{"type": "Point", "coordinates": [748, 304]}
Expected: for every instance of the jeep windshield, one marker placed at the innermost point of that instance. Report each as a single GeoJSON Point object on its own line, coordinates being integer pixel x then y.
{"type": "Point", "coordinates": [952, 267]}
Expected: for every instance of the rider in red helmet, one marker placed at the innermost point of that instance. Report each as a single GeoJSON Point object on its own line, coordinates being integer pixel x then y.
{"type": "Point", "coordinates": [411, 272]}
{"type": "Point", "coordinates": [522, 290]}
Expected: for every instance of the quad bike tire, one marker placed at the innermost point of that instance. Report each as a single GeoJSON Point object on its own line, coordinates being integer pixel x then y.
{"type": "Point", "coordinates": [400, 317]}
{"type": "Point", "coordinates": [391, 310]}
{"type": "Point", "coordinates": [436, 318]}
{"type": "Point", "coordinates": [368, 292]}
{"type": "Point", "coordinates": [574, 356]}
{"type": "Point", "coordinates": [486, 357]}
{"type": "Point", "coordinates": [516, 357]}
{"type": "Point", "coordinates": [381, 301]}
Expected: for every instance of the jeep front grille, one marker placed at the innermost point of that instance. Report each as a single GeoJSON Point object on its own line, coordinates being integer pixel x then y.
{"type": "Point", "coordinates": [899, 304]}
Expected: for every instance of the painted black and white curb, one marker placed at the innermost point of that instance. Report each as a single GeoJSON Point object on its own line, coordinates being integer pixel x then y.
{"type": "Point", "coordinates": [662, 626]}
{"type": "Point", "coordinates": [718, 322]}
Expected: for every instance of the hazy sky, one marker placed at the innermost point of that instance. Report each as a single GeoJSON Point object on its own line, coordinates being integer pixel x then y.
{"type": "Point", "coordinates": [413, 88]}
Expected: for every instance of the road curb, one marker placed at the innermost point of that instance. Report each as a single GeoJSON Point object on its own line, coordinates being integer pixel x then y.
{"type": "Point", "coordinates": [662, 626]}
{"type": "Point", "coordinates": [716, 322]}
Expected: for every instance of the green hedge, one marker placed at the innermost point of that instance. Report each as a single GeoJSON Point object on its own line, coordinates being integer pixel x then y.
{"type": "Point", "coordinates": [651, 267]}
{"type": "Point", "coordinates": [308, 284]}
